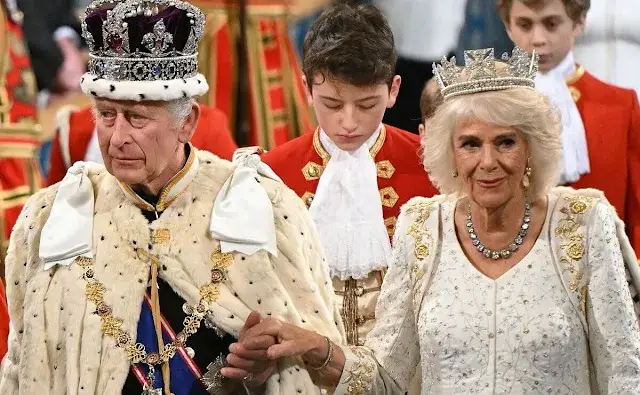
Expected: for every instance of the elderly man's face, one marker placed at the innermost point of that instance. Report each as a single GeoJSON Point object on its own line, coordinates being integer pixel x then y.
{"type": "Point", "coordinates": [141, 142]}
{"type": "Point", "coordinates": [491, 162]}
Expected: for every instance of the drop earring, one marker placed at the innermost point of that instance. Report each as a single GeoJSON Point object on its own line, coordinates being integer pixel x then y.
{"type": "Point", "coordinates": [527, 175]}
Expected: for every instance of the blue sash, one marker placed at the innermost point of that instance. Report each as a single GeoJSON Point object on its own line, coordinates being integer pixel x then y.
{"type": "Point", "coordinates": [185, 375]}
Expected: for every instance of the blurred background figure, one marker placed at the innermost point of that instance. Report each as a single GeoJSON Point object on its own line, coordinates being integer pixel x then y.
{"type": "Point", "coordinates": [610, 45]}
{"type": "Point", "coordinates": [19, 130]}
{"type": "Point", "coordinates": [52, 34]}
{"type": "Point", "coordinates": [253, 69]}
{"type": "Point", "coordinates": [424, 31]}
{"type": "Point", "coordinates": [483, 28]}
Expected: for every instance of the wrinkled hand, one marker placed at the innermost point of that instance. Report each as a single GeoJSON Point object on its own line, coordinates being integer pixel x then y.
{"type": "Point", "coordinates": [285, 340]}
{"type": "Point", "coordinates": [248, 359]}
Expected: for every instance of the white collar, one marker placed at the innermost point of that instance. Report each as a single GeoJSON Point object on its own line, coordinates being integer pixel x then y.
{"type": "Point", "coordinates": [347, 211]}
{"type": "Point", "coordinates": [575, 153]}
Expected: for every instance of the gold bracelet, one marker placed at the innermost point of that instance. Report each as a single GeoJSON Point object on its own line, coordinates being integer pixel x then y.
{"type": "Point", "coordinates": [329, 356]}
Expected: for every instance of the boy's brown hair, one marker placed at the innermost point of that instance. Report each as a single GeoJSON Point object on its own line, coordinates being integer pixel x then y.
{"type": "Point", "coordinates": [351, 44]}
{"type": "Point", "coordinates": [430, 99]}
{"type": "Point", "coordinates": [576, 9]}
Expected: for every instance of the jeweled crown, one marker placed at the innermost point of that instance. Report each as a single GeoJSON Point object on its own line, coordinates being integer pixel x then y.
{"type": "Point", "coordinates": [481, 72]}
{"type": "Point", "coordinates": [142, 40]}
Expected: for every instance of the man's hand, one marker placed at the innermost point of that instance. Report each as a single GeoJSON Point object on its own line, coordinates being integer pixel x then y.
{"type": "Point", "coordinates": [250, 363]}
{"type": "Point", "coordinates": [261, 341]}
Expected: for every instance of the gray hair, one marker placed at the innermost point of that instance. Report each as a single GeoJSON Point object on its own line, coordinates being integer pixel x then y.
{"type": "Point", "coordinates": [522, 109]}
{"type": "Point", "coordinates": [180, 109]}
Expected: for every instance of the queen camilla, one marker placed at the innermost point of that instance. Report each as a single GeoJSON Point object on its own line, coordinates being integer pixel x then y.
{"type": "Point", "coordinates": [503, 284]}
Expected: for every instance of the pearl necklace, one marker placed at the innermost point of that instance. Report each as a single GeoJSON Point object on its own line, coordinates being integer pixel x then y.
{"type": "Point", "coordinates": [506, 252]}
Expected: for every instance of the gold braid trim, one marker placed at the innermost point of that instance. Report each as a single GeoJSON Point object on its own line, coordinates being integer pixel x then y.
{"type": "Point", "coordinates": [572, 249]}
{"type": "Point", "coordinates": [422, 239]}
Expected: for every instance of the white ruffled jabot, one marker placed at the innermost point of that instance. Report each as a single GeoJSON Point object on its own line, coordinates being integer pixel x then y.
{"type": "Point", "coordinates": [347, 212]}
{"type": "Point", "coordinates": [575, 153]}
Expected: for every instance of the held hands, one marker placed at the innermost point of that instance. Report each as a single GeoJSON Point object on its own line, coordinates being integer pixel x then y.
{"type": "Point", "coordinates": [262, 342]}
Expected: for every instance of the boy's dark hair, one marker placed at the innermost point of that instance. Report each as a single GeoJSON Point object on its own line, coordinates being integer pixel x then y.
{"type": "Point", "coordinates": [352, 44]}
{"type": "Point", "coordinates": [576, 9]}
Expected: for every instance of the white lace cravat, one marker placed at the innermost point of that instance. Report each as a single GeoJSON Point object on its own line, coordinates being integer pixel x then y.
{"type": "Point", "coordinates": [348, 214]}
{"type": "Point", "coordinates": [575, 153]}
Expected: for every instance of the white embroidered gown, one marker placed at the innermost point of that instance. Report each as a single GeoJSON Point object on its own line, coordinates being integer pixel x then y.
{"type": "Point", "coordinates": [518, 334]}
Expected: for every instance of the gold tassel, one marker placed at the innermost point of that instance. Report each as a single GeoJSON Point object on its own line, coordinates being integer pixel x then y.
{"type": "Point", "coordinates": [155, 312]}
{"type": "Point", "coordinates": [350, 311]}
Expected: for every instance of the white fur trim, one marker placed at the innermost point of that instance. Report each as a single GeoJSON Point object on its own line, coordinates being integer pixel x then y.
{"type": "Point", "coordinates": [160, 90]}
{"type": "Point", "coordinates": [63, 128]}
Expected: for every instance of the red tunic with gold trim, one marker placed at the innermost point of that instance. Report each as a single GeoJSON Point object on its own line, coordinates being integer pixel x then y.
{"type": "Point", "coordinates": [75, 133]}
{"type": "Point", "coordinates": [401, 176]}
{"type": "Point", "coordinates": [19, 140]}
{"type": "Point", "coordinates": [19, 134]}
{"type": "Point", "coordinates": [611, 118]}
{"type": "Point", "coordinates": [278, 107]}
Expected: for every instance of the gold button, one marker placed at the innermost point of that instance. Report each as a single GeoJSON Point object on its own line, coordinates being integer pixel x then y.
{"type": "Point", "coordinates": [161, 236]}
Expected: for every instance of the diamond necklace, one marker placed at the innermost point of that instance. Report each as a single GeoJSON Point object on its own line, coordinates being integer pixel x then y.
{"type": "Point", "coordinates": [513, 247]}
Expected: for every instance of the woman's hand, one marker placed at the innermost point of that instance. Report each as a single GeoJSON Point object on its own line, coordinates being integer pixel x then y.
{"type": "Point", "coordinates": [250, 365]}
{"type": "Point", "coordinates": [272, 339]}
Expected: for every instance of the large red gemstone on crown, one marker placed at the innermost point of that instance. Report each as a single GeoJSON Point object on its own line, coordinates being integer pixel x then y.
{"type": "Point", "coordinates": [114, 42]}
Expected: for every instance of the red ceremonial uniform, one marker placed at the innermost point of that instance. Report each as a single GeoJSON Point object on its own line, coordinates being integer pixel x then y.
{"type": "Point", "coordinates": [278, 106]}
{"type": "Point", "coordinates": [19, 140]}
{"type": "Point", "coordinates": [611, 118]}
{"type": "Point", "coordinates": [401, 175]}
{"type": "Point", "coordinates": [212, 134]}
{"type": "Point", "coordinates": [19, 134]}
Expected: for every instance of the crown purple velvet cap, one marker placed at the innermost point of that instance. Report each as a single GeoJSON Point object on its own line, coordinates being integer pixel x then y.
{"type": "Point", "coordinates": [143, 50]}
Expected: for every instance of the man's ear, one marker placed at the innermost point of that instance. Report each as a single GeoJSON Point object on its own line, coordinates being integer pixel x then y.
{"type": "Point", "coordinates": [307, 90]}
{"type": "Point", "coordinates": [394, 91]}
{"type": "Point", "coordinates": [421, 130]}
{"type": "Point", "coordinates": [578, 27]}
{"type": "Point", "coordinates": [188, 127]}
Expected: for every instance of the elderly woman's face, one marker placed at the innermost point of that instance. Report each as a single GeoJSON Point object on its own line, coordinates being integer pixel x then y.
{"type": "Point", "coordinates": [137, 140]}
{"type": "Point", "coordinates": [491, 161]}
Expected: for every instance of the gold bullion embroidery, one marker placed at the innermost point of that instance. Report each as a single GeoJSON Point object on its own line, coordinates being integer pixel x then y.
{"type": "Point", "coordinates": [161, 236]}
{"type": "Point", "coordinates": [390, 223]}
{"type": "Point", "coordinates": [572, 249]}
{"type": "Point", "coordinates": [307, 198]}
{"type": "Point", "coordinates": [385, 169]}
{"type": "Point", "coordinates": [359, 378]}
{"type": "Point", "coordinates": [312, 171]}
{"type": "Point", "coordinates": [389, 197]}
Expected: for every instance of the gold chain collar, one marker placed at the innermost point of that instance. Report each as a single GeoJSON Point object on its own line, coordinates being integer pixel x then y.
{"type": "Point", "coordinates": [112, 326]}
